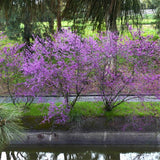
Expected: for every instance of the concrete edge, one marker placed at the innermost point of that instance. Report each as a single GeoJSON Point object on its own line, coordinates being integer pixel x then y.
{"type": "Point", "coordinates": [94, 138]}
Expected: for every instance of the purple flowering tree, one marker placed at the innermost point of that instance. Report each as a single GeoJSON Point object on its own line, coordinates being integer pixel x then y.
{"type": "Point", "coordinates": [137, 63]}
{"type": "Point", "coordinates": [62, 66]}
{"type": "Point", "coordinates": [112, 80]}
{"type": "Point", "coordinates": [11, 76]}
{"type": "Point", "coordinates": [68, 64]}
{"type": "Point", "coordinates": [143, 53]}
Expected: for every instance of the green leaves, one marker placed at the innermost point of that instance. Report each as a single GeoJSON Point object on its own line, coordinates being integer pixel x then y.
{"type": "Point", "coordinates": [10, 127]}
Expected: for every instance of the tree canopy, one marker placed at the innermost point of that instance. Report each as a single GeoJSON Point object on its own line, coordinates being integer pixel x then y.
{"type": "Point", "coordinates": [100, 13]}
{"type": "Point", "coordinates": [105, 11]}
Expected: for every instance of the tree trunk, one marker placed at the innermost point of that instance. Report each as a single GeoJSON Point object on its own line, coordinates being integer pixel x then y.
{"type": "Point", "coordinates": [59, 19]}
{"type": "Point", "coordinates": [113, 25]}
{"type": "Point", "coordinates": [27, 33]}
{"type": "Point", "coordinates": [111, 15]}
{"type": "Point", "coordinates": [51, 25]}
{"type": "Point", "coordinates": [108, 108]}
{"type": "Point", "coordinates": [27, 27]}
{"type": "Point", "coordinates": [110, 21]}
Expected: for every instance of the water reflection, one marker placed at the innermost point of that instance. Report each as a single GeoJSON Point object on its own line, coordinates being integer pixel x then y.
{"type": "Point", "coordinates": [14, 155]}
{"type": "Point", "coordinates": [79, 153]}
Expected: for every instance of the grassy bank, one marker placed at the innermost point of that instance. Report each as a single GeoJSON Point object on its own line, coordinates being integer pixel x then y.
{"type": "Point", "coordinates": [91, 116]}
{"type": "Point", "coordinates": [96, 109]}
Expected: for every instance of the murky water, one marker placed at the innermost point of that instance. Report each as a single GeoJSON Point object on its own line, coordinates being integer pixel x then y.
{"type": "Point", "coordinates": [75, 152]}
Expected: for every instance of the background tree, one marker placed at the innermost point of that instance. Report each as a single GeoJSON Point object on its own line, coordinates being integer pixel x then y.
{"type": "Point", "coordinates": [105, 11]}
{"type": "Point", "coordinates": [23, 16]}
{"type": "Point", "coordinates": [55, 7]}
{"type": "Point", "coordinates": [147, 4]}
{"type": "Point", "coordinates": [23, 10]}
{"type": "Point", "coordinates": [156, 4]}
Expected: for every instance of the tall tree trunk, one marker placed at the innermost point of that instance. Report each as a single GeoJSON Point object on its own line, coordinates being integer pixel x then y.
{"type": "Point", "coordinates": [51, 18]}
{"type": "Point", "coordinates": [111, 25]}
{"type": "Point", "coordinates": [27, 33]}
{"type": "Point", "coordinates": [27, 27]}
{"type": "Point", "coordinates": [59, 18]}
{"type": "Point", "coordinates": [51, 25]}
{"type": "Point", "coordinates": [111, 15]}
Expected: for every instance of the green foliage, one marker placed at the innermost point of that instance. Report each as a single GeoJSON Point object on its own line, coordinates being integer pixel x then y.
{"type": "Point", "coordinates": [27, 12]}
{"type": "Point", "coordinates": [86, 16]}
{"type": "Point", "coordinates": [101, 11]}
{"type": "Point", "coordinates": [156, 4]}
{"type": "Point", "coordinates": [2, 21]}
{"type": "Point", "coordinates": [13, 29]}
{"type": "Point", "coordinates": [10, 126]}
{"type": "Point", "coordinates": [147, 4]}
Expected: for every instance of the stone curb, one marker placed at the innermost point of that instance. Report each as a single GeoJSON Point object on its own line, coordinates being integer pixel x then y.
{"type": "Point", "coordinates": [94, 138]}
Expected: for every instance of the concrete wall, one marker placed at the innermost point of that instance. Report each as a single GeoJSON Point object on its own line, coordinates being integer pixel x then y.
{"type": "Point", "coordinates": [94, 138]}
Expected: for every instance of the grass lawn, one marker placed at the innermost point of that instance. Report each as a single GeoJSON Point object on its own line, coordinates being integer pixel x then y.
{"type": "Point", "coordinates": [96, 109]}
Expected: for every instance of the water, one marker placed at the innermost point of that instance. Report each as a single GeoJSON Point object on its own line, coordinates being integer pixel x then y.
{"type": "Point", "coordinates": [74, 152]}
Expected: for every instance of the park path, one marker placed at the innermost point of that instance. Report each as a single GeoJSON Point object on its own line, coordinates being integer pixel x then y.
{"type": "Point", "coordinates": [83, 98]}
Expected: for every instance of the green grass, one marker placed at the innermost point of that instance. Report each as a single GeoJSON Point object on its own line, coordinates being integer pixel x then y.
{"type": "Point", "coordinates": [36, 109]}
{"type": "Point", "coordinates": [148, 21]}
{"type": "Point", "coordinates": [96, 109]}
{"type": "Point", "coordinates": [6, 42]}
{"type": "Point", "coordinates": [136, 109]}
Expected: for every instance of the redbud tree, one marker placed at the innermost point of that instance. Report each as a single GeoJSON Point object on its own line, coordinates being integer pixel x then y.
{"type": "Point", "coordinates": [136, 71]}
{"type": "Point", "coordinates": [68, 64]}
{"type": "Point", "coordinates": [11, 76]}
{"type": "Point", "coordinates": [145, 57]}
{"type": "Point", "coordinates": [61, 66]}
